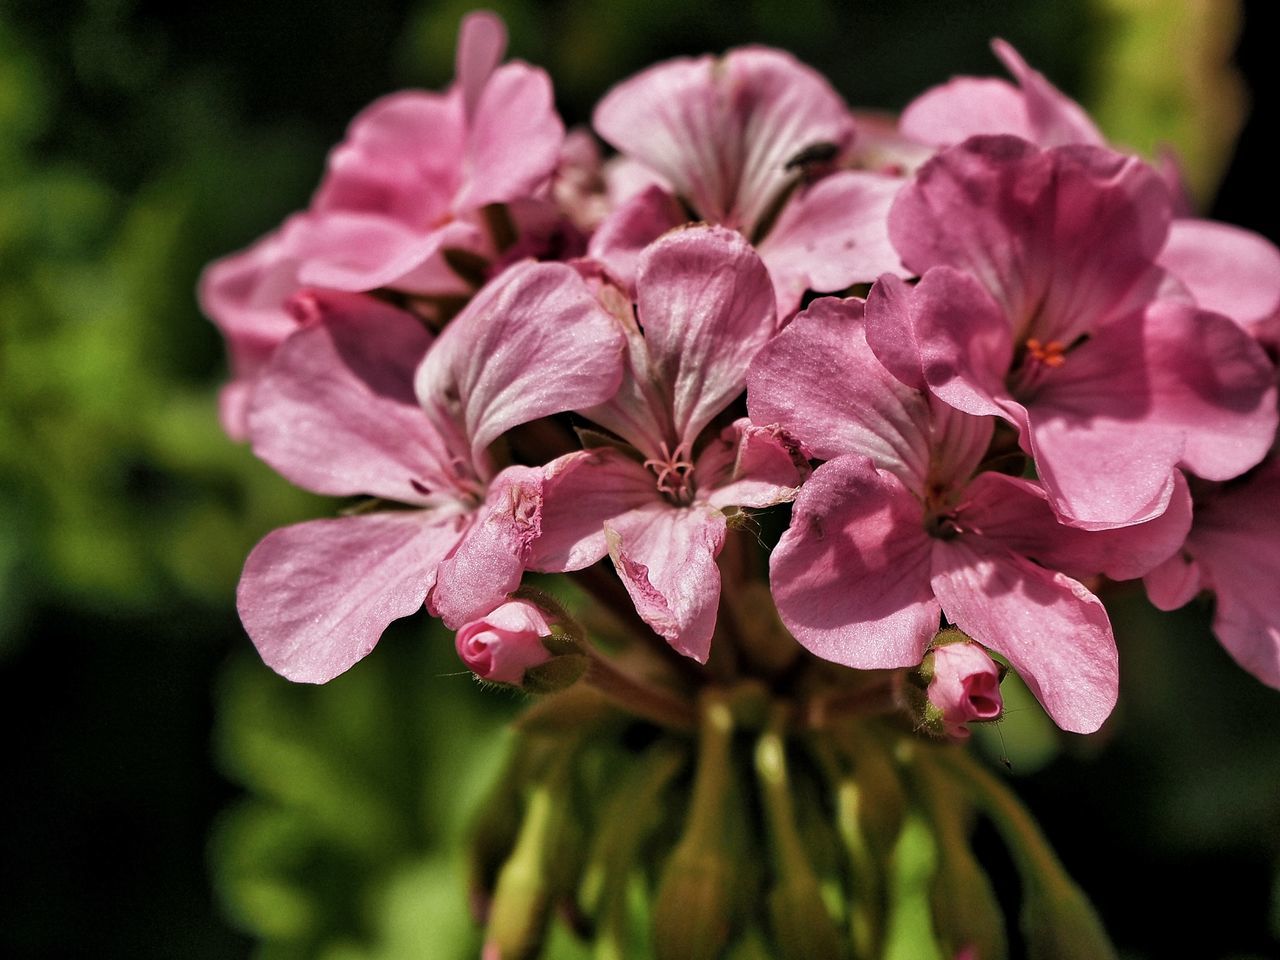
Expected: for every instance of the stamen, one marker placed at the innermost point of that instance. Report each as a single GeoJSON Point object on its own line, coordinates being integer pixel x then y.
{"type": "Point", "coordinates": [674, 471]}
{"type": "Point", "coordinates": [1051, 354]}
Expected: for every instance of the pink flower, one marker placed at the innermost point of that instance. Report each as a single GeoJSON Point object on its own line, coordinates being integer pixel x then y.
{"type": "Point", "coordinates": [407, 184]}
{"type": "Point", "coordinates": [730, 136]}
{"type": "Point", "coordinates": [896, 529]}
{"type": "Point", "coordinates": [1037, 306]}
{"type": "Point", "coordinates": [344, 408]}
{"type": "Point", "coordinates": [1234, 550]}
{"type": "Point", "coordinates": [965, 687]}
{"type": "Point", "coordinates": [705, 306]}
{"type": "Point", "coordinates": [504, 643]}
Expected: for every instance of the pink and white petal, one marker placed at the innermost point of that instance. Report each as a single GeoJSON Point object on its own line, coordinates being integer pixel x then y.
{"type": "Point", "coordinates": [851, 574]}
{"type": "Point", "coordinates": [580, 493]}
{"type": "Point", "coordinates": [1212, 381]}
{"type": "Point", "coordinates": [335, 411]}
{"type": "Point", "coordinates": [666, 558]}
{"type": "Point", "coordinates": [831, 235]}
{"type": "Point", "coordinates": [1228, 270]}
{"type": "Point", "coordinates": [1174, 583]}
{"type": "Point", "coordinates": [1016, 513]}
{"type": "Point", "coordinates": [400, 161]}
{"type": "Point", "coordinates": [533, 342]}
{"type": "Point", "coordinates": [490, 558]}
{"type": "Point", "coordinates": [315, 597]}
{"type": "Point", "coordinates": [767, 468]}
{"type": "Point", "coordinates": [514, 139]}
{"type": "Point", "coordinates": [965, 107]}
{"type": "Point", "coordinates": [482, 40]}
{"type": "Point", "coordinates": [625, 232]}
{"type": "Point", "coordinates": [244, 293]}
{"type": "Point", "coordinates": [820, 382]}
{"type": "Point", "coordinates": [1054, 119]}
{"type": "Point", "coordinates": [707, 306]}
{"type": "Point", "coordinates": [1052, 630]}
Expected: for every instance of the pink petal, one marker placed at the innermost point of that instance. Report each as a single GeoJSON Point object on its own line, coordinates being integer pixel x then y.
{"type": "Point", "coordinates": [489, 560]}
{"type": "Point", "coordinates": [316, 597]}
{"type": "Point", "coordinates": [707, 306]}
{"type": "Point", "coordinates": [335, 411]}
{"type": "Point", "coordinates": [1228, 270]}
{"type": "Point", "coordinates": [624, 233]}
{"type": "Point", "coordinates": [666, 557]}
{"type": "Point", "coordinates": [1054, 119]}
{"type": "Point", "coordinates": [965, 107]}
{"type": "Point", "coordinates": [767, 468]}
{"type": "Point", "coordinates": [1052, 630]}
{"type": "Point", "coordinates": [830, 236]}
{"type": "Point", "coordinates": [532, 342]}
{"type": "Point", "coordinates": [851, 574]}
{"type": "Point", "coordinates": [721, 131]}
{"type": "Point", "coordinates": [514, 140]}
{"type": "Point", "coordinates": [819, 380]}
{"type": "Point", "coordinates": [1174, 583]}
{"type": "Point", "coordinates": [1016, 513]}
{"type": "Point", "coordinates": [482, 40]}
{"type": "Point", "coordinates": [580, 493]}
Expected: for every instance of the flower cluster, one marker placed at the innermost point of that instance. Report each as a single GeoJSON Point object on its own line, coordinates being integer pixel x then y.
{"type": "Point", "coordinates": [987, 359]}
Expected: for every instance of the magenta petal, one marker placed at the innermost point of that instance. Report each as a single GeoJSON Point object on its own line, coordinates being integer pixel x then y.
{"type": "Point", "coordinates": [707, 306]}
{"type": "Point", "coordinates": [721, 131]}
{"type": "Point", "coordinates": [851, 574]}
{"type": "Point", "coordinates": [580, 493]}
{"type": "Point", "coordinates": [1228, 270]}
{"type": "Point", "coordinates": [531, 343]}
{"type": "Point", "coordinates": [490, 558]}
{"type": "Point", "coordinates": [1053, 631]}
{"type": "Point", "coordinates": [316, 597]}
{"type": "Point", "coordinates": [1054, 119]}
{"type": "Point", "coordinates": [965, 107]}
{"type": "Point", "coordinates": [1173, 583]}
{"type": "Point", "coordinates": [830, 236]}
{"type": "Point", "coordinates": [819, 380]}
{"type": "Point", "coordinates": [666, 558]}
{"type": "Point", "coordinates": [482, 40]}
{"type": "Point", "coordinates": [514, 141]}
{"type": "Point", "coordinates": [335, 411]}
{"type": "Point", "coordinates": [766, 468]}
{"type": "Point", "coordinates": [1016, 513]}
{"type": "Point", "coordinates": [359, 252]}
{"type": "Point", "coordinates": [624, 233]}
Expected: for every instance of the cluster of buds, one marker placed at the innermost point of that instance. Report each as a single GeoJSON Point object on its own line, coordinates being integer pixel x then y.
{"type": "Point", "coordinates": [764, 385]}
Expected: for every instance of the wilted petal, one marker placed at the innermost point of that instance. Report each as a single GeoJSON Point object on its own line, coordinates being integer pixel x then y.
{"type": "Point", "coordinates": [830, 236]}
{"type": "Point", "coordinates": [1053, 631]}
{"type": "Point", "coordinates": [707, 306]}
{"type": "Point", "coordinates": [335, 411]}
{"type": "Point", "coordinates": [765, 467]}
{"type": "Point", "coordinates": [666, 558]}
{"type": "Point", "coordinates": [531, 343]}
{"type": "Point", "coordinates": [316, 597]}
{"type": "Point", "coordinates": [851, 574]}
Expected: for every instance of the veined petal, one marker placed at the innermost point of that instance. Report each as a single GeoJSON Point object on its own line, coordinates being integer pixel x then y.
{"type": "Point", "coordinates": [622, 236]}
{"type": "Point", "coordinates": [721, 131]}
{"type": "Point", "coordinates": [830, 236]}
{"type": "Point", "coordinates": [1053, 118]}
{"type": "Point", "coordinates": [851, 574]}
{"type": "Point", "coordinates": [315, 597]}
{"type": "Point", "coordinates": [335, 411]}
{"type": "Point", "coordinates": [532, 342]}
{"type": "Point", "coordinates": [766, 468]}
{"type": "Point", "coordinates": [1052, 630]}
{"type": "Point", "coordinates": [707, 306]}
{"type": "Point", "coordinates": [666, 558]}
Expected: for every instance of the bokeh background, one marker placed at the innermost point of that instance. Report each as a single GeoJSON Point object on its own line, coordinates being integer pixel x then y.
{"type": "Point", "coordinates": [162, 794]}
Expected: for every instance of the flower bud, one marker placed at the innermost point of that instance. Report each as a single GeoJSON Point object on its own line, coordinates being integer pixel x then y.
{"type": "Point", "coordinates": [956, 683]}
{"type": "Point", "coordinates": [517, 643]}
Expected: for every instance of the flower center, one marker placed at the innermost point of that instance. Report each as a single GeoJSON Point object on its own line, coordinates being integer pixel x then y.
{"type": "Point", "coordinates": [674, 471]}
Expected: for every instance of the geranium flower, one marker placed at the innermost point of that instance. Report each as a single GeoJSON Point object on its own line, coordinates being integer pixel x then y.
{"type": "Point", "coordinates": [344, 408]}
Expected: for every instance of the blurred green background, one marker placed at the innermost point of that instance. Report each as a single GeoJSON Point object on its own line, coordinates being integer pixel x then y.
{"type": "Point", "coordinates": [164, 794]}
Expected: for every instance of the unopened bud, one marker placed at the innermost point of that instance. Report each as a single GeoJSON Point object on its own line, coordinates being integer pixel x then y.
{"type": "Point", "coordinates": [956, 683]}
{"type": "Point", "coordinates": [518, 643]}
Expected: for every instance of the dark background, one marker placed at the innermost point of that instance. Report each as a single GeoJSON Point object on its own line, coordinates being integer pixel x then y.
{"type": "Point", "coordinates": [139, 141]}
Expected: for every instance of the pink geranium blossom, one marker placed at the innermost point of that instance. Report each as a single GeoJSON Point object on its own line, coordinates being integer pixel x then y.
{"type": "Point", "coordinates": [1037, 305]}
{"type": "Point", "coordinates": [730, 137]}
{"type": "Point", "coordinates": [705, 306]}
{"type": "Point", "coordinates": [345, 409]}
{"type": "Point", "coordinates": [965, 687]}
{"type": "Point", "coordinates": [505, 642]}
{"type": "Point", "coordinates": [1234, 551]}
{"type": "Point", "coordinates": [896, 528]}
{"type": "Point", "coordinates": [409, 182]}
